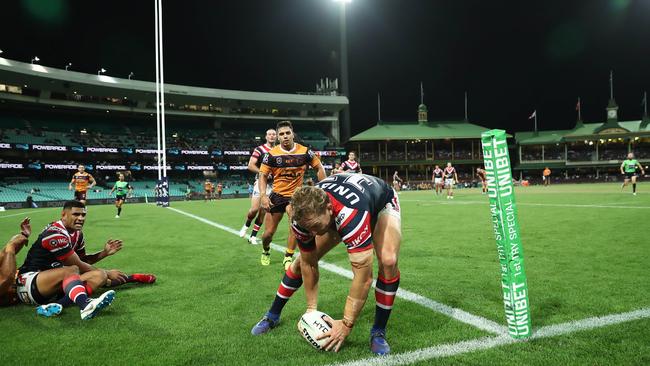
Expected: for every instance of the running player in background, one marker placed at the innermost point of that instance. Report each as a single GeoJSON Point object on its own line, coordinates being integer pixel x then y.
{"type": "Point", "coordinates": [8, 295]}
{"type": "Point", "coordinates": [52, 266]}
{"type": "Point", "coordinates": [351, 165]}
{"type": "Point", "coordinates": [219, 190]}
{"type": "Point", "coordinates": [123, 190]}
{"type": "Point", "coordinates": [255, 211]}
{"type": "Point", "coordinates": [436, 177]}
{"type": "Point", "coordinates": [629, 168]}
{"type": "Point", "coordinates": [480, 172]}
{"type": "Point", "coordinates": [82, 183]}
{"type": "Point", "coordinates": [450, 179]}
{"type": "Point", "coordinates": [208, 187]}
{"type": "Point", "coordinates": [546, 176]}
{"type": "Point", "coordinates": [397, 182]}
{"type": "Point", "coordinates": [364, 213]}
{"type": "Point", "coordinates": [287, 164]}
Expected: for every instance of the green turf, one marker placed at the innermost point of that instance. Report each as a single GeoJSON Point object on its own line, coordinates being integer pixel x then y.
{"type": "Point", "coordinates": [582, 260]}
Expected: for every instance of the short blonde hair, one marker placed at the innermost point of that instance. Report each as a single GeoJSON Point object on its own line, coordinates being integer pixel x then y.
{"type": "Point", "coordinates": [307, 201]}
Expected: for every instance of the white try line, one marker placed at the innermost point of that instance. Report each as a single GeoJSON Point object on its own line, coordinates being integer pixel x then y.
{"type": "Point", "coordinates": [458, 314]}
{"type": "Point", "coordinates": [454, 349]}
{"type": "Point", "coordinates": [28, 213]}
{"type": "Point", "coordinates": [614, 205]}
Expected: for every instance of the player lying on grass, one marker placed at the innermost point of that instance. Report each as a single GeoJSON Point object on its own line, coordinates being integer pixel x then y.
{"type": "Point", "coordinates": [52, 267]}
{"type": "Point", "coordinates": [61, 246]}
{"type": "Point", "coordinates": [363, 212]}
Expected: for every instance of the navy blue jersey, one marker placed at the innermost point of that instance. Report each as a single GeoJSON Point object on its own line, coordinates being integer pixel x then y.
{"type": "Point", "coordinates": [357, 200]}
{"type": "Point", "coordinates": [52, 247]}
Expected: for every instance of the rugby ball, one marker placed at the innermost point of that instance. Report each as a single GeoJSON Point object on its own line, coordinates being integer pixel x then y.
{"type": "Point", "coordinates": [313, 324]}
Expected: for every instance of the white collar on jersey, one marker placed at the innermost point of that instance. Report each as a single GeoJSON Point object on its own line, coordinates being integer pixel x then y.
{"type": "Point", "coordinates": [292, 150]}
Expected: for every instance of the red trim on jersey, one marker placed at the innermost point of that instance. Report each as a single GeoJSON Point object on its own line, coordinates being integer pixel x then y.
{"type": "Point", "coordinates": [65, 256]}
{"type": "Point", "coordinates": [361, 249]}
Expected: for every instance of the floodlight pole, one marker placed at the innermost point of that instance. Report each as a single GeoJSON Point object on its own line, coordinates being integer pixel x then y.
{"type": "Point", "coordinates": [345, 126]}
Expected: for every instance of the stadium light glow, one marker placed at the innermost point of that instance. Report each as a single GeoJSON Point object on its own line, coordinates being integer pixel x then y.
{"type": "Point", "coordinates": [68, 65]}
{"type": "Point", "coordinates": [343, 1]}
{"type": "Point", "coordinates": [1, 52]}
{"type": "Point", "coordinates": [35, 59]}
{"type": "Point", "coordinates": [101, 71]}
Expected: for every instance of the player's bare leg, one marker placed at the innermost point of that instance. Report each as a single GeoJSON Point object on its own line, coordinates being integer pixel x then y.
{"type": "Point", "coordinates": [292, 243]}
{"type": "Point", "coordinates": [387, 238]}
{"type": "Point", "coordinates": [634, 185]}
{"type": "Point", "coordinates": [76, 289]}
{"type": "Point", "coordinates": [291, 282]}
{"type": "Point", "coordinates": [250, 215]}
{"type": "Point", "coordinates": [271, 222]}
{"type": "Point", "coordinates": [259, 220]}
{"type": "Point", "coordinates": [118, 205]}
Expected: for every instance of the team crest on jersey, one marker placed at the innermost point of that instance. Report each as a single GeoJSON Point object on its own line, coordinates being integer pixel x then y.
{"type": "Point", "coordinates": [278, 160]}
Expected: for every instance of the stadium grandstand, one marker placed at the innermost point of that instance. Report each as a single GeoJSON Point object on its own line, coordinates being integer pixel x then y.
{"type": "Point", "coordinates": [51, 120]}
{"type": "Point", "coordinates": [588, 152]}
{"type": "Point", "coordinates": [413, 148]}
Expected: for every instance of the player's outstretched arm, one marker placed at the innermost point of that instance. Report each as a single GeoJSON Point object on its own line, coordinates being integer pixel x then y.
{"type": "Point", "coordinates": [362, 269]}
{"type": "Point", "coordinates": [622, 165]}
{"type": "Point", "coordinates": [640, 167]}
{"type": "Point", "coordinates": [111, 247]}
{"type": "Point", "coordinates": [16, 243]}
{"type": "Point", "coordinates": [320, 172]}
{"type": "Point", "coordinates": [72, 181]}
{"type": "Point", "coordinates": [310, 276]}
{"type": "Point", "coordinates": [92, 181]}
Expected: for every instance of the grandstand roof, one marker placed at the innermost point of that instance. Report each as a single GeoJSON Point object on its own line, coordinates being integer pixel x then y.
{"type": "Point", "coordinates": [59, 80]}
{"type": "Point", "coordinates": [582, 132]}
{"type": "Point", "coordinates": [421, 131]}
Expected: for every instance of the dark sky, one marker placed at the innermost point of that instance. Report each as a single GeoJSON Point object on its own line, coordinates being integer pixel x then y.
{"type": "Point", "coordinates": [511, 56]}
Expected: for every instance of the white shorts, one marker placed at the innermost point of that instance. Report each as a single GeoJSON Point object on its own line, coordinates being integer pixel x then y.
{"type": "Point", "coordinates": [449, 182]}
{"type": "Point", "coordinates": [24, 284]}
{"type": "Point", "coordinates": [437, 180]}
{"type": "Point", "coordinates": [392, 208]}
{"type": "Point", "coordinates": [256, 189]}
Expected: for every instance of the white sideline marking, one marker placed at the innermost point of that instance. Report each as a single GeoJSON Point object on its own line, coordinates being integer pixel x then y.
{"type": "Point", "coordinates": [30, 213]}
{"type": "Point", "coordinates": [460, 315]}
{"type": "Point", "coordinates": [531, 204]}
{"type": "Point", "coordinates": [454, 349]}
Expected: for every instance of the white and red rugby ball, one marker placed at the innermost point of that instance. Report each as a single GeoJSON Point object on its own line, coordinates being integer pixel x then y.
{"type": "Point", "coordinates": [313, 324]}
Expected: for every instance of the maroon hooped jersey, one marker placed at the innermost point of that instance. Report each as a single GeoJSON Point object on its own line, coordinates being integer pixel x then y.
{"type": "Point", "coordinates": [357, 200]}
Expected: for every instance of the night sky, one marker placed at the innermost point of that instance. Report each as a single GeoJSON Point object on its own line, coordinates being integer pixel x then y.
{"type": "Point", "coordinates": [511, 56]}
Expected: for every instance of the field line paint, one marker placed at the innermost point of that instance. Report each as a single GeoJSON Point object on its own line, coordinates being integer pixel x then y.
{"type": "Point", "coordinates": [479, 344]}
{"type": "Point", "coordinates": [530, 204]}
{"type": "Point", "coordinates": [457, 314]}
{"type": "Point", "coordinates": [29, 213]}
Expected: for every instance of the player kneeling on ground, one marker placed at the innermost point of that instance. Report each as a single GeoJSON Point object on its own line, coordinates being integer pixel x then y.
{"type": "Point", "coordinates": [361, 211]}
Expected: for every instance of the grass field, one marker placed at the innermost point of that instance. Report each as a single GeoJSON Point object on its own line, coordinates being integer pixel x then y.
{"type": "Point", "coordinates": [587, 252]}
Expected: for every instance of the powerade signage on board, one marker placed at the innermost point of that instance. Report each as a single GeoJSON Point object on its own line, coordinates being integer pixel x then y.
{"type": "Point", "coordinates": [49, 148]}
{"type": "Point", "coordinates": [194, 152]}
{"type": "Point", "coordinates": [5, 146]}
{"type": "Point", "coordinates": [102, 149]}
{"type": "Point", "coordinates": [237, 152]}
{"type": "Point", "coordinates": [11, 166]}
{"type": "Point", "coordinates": [200, 167]}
